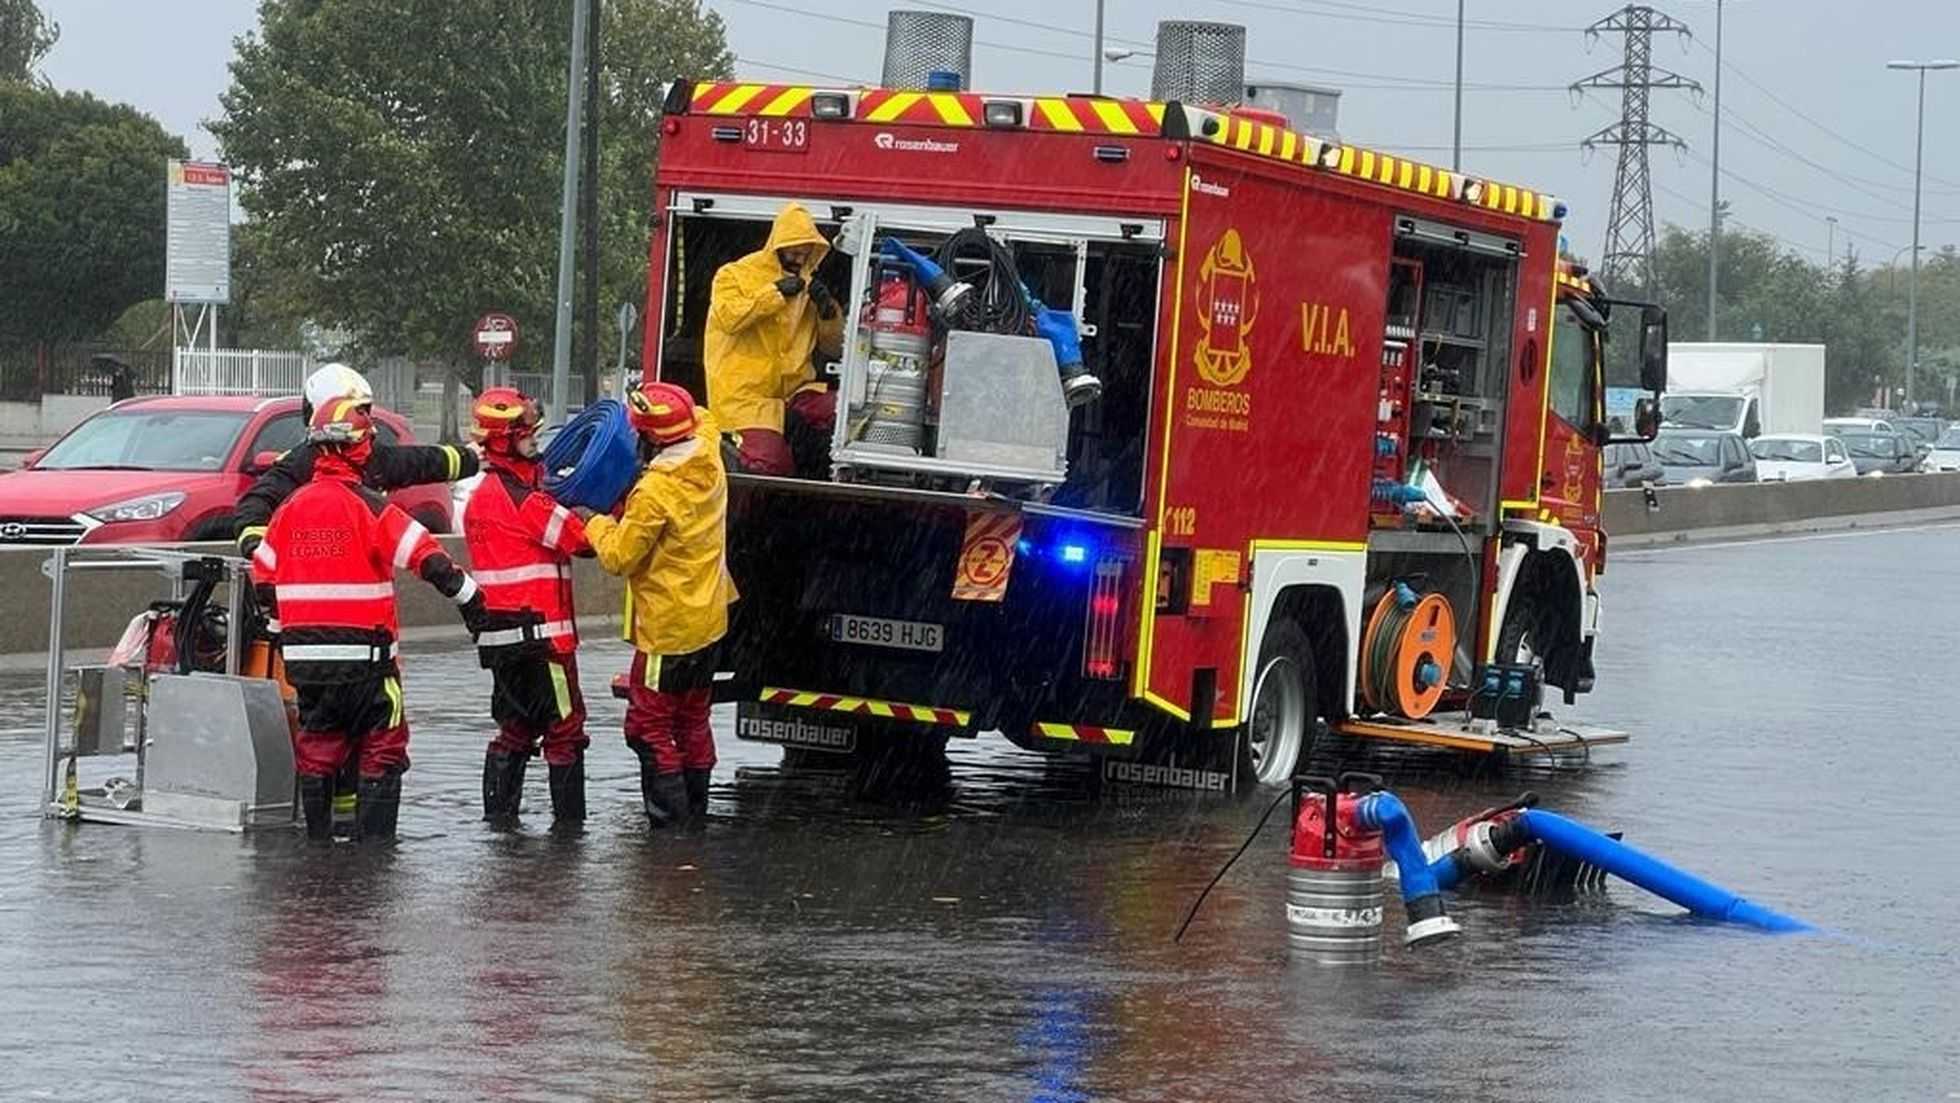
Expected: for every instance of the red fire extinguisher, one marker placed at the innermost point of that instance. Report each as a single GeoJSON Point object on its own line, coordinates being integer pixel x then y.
{"type": "Point", "coordinates": [1334, 879]}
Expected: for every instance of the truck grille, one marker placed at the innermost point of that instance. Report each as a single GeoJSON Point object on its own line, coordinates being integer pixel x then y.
{"type": "Point", "coordinates": [44, 532]}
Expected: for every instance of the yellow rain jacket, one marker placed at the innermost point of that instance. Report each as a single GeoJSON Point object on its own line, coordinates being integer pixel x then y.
{"type": "Point", "coordinates": [758, 344]}
{"type": "Point", "coordinates": [670, 546]}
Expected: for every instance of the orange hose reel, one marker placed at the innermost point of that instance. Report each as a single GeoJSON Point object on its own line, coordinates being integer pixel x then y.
{"type": "Point", "coordinates": [1406, 673]}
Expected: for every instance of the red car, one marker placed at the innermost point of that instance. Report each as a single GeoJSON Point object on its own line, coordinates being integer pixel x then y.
{"type": "Point", "coordinates": [158, 470]}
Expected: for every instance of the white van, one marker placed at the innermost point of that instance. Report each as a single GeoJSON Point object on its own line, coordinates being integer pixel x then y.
{"type": "Point", "coordinates": [1836, 425]}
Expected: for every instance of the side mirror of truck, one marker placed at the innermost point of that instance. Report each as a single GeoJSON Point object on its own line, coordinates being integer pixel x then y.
{"type": "Point", "coordinates": [1653, 349]}
{"type": "Point", "coordinates": [1647, 417]}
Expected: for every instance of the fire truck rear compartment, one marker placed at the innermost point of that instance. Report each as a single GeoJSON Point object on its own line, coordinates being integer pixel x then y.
{"type": "Point", "coordinates": [1106, 438]}
{"type": "Point", "coordinates": [803, 561]}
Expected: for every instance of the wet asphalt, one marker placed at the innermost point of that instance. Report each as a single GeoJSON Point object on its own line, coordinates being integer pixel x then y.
{"type": "Point", "coordinates": [1009, 936]}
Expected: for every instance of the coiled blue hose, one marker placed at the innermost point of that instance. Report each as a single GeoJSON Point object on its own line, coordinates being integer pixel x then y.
{"type": "Point", "coordinates": [593, 461]}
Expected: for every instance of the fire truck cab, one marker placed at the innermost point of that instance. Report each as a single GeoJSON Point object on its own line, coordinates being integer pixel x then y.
{"type": "Point", "coordinates": [1342, 472]}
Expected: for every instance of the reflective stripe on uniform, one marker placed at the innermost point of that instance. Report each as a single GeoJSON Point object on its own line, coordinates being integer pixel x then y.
{"type": "Point", "coordinates": [561, 689]}
{"type": "Point", "coordinates": [508, 576]}
{"type": "Point", "coordinates": [405, 547]}
{"type": "Point", "coordinates": [266, 557]}
{"type": "Point", "coordinates": [555, 528]}
{"type": "Point", "coordinates": [468, 591]}
{"type": "Point", "coordinates": [336, 652]}
{"type": "Point", "coordinates": [455, 461]}
{"type": "Point", "coordinates": [504, 637]}
{"type": "Point", "coordinates": [651, 678]}
{"type": "Point", "coordinates": [393, 689]}
{"type": "Point", "coordinates": [335, 591]}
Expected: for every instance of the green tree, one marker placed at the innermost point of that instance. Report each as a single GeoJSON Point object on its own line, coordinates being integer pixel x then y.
{"type": "Point", "coordinates": [26, 36]}
{"type": "Point", "coordinates": [401, 158]}
{"type": "Point", "coordinates": [81, 211]}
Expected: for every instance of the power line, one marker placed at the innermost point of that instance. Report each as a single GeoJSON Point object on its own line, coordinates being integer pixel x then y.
{"type": "Point", "coordinates": [760, 64]}
{"type": "Point", "coordinates": [1392, 17]}
{"type": "Point", "coordinates": [1733, 221]}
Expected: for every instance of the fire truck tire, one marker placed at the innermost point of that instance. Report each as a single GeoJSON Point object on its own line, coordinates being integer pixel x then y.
{"type": "Point", "coordinates": [1280, 729]}
{"type": "Point", "coordinates": [1518, 644]}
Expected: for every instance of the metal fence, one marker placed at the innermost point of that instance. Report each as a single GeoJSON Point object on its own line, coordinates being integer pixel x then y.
{"type": "Point", "coordinates": [239, 371]}
{"type": "Point", "coordinates": [29, 371]}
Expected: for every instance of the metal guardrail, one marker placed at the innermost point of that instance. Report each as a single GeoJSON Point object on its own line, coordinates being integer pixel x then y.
{"type": "Point", "coordinates": [238, 371]}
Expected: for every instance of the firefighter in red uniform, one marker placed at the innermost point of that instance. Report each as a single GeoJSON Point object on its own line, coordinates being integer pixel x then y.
{"type": "Point", "coordinates": [670, 545]}
{"type": "Point", "coordinates": [330, 553]}
{"type": "Point", "coordinates": [521, 547]}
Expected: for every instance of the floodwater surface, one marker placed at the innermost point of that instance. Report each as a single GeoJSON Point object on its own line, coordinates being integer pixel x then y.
{"type": "Point", "coordinates": [1010, 936]}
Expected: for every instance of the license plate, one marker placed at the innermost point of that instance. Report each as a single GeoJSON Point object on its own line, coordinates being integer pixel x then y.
{"type": "Point", "coordinates": [777, 135]}
{"type": "Point", "coordinates": [905, 635]}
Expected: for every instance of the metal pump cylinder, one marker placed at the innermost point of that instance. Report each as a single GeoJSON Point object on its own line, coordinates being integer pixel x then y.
{"type": "Point", "coordinates": [891, 411]}
{"type": "Point", "coordinates": [1334, 878]}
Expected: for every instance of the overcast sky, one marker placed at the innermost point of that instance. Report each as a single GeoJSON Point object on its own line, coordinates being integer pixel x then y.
{"type": "Point", "coordinates": [1814, 124]}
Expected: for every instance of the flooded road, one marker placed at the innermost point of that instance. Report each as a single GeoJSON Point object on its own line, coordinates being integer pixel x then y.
{"type": "Point", "coordinates": [1012, 940]}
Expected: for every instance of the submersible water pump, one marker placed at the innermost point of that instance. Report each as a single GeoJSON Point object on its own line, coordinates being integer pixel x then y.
{"type": "Point", "coordinates": [1334, 875]}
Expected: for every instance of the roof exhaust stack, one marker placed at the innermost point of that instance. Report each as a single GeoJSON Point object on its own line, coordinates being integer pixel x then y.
{"type": "Point", "coordinates": [923, 47]}
{"type": "Point", "coordinates": [1202, 64]}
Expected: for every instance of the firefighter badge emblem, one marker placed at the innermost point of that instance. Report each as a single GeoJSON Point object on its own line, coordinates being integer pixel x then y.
{"type": "Point", "coordinates": [1228, 304]}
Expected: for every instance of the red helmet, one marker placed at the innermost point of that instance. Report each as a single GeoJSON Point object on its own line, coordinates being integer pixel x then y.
{"type": "Point", "coordinates": [661, 412]}
{"type": "Point", "coordinates": [505, 418]}
{"type": "Point", "coordinates": [344, 420]}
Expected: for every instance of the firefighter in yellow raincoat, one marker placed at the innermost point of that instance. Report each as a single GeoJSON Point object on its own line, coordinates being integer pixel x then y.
{"type": "Point", "coordinates": [670, 544]}
{"type": "Point", "coordinates": [766, 314]}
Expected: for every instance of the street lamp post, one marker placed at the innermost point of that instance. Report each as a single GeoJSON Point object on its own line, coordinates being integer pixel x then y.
{"type": "Point", "coordinates": [1830, 242]}
{"type": "Point", "coordinates": [1456, 143]}
{"type": "Point", "coordinates": [1918, 165]}
{"type": "Point", "coordinates": [1099, 47]}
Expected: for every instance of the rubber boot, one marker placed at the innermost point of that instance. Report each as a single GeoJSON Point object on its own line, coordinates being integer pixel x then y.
{"type": "Point", "coordinates": [346, 789]}
{"type": "Point", "coordinates": [316, 804]}
{"type": "Point", "coordinates": [697, 793]}
{"type": "Point", "coordinates": [503, 788]}
{"type": "Point", "coordinates": [380, 805]}
{"type": "Point", "coordinates": [568, 795]}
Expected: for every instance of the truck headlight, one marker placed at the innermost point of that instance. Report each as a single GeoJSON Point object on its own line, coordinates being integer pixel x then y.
{"type": "Point", "coordinates": [147, 508]}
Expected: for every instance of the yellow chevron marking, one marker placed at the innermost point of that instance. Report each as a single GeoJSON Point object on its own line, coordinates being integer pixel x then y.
{"type": "Point", "coordinates": [1058, 115]}
{"type": "Point", "coordinates": [1266, 136]}
{"type": "Point", "coordinates": [703, 91]}
{"type": "Point", "coordinates": [951, 111]}
{"type": "Point", "coordinates": [786, 102]}
{"type": "Point", "coordinates": [1367, 171]}
{"type": "Point", "coordinates": [894, 107]}
{"type": "Point", "coordinates": [1113, 118]}
{"type": "Point", "coordinates": [1156, 112]}
{"type": "Point", "coordinates": [1407, 176]}
{"type": "Point", "coordinates": [1346, 163]}
{"type": "Point", "coordinates": [736, 100]}
{"type": "Point", "coordinates": [1288, 142]}
{"type": "Point", "coordinates": [1425, 179]}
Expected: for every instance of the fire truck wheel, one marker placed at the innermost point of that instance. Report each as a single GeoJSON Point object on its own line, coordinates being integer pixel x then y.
{"type": "Point", "coordinates": [1279, 734]}
{"type": "Point", "coordinates": [1518, 643]}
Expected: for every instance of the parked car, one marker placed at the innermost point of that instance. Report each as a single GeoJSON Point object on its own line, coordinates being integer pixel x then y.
{"type": "Point", "coordinates": [1630, 465]}
{"type": "Point", "coordinates": [1881, 453]}
{"type": "Point", "coordinates": [1690, 457]}
{"type": "Point", "coordinates": [1922, 431]}
{"type": "Point", "coordinates": [1945, 455]}
{"type": "Point", "coordinates": [1797, 458]}
{"type": "Point", "coordinates": [1833, 426]}
{"type": "Point", "coordinates": [165, 469]}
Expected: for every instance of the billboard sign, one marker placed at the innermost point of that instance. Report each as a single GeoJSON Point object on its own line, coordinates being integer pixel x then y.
{"type": "Point", "coordinates": [197, 251]}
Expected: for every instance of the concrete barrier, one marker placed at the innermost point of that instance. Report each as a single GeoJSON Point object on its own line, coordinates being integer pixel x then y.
{"type": "Point", "coordinates": [101, 603]}
{"type": "Point", "coordinates": [1763, 509]}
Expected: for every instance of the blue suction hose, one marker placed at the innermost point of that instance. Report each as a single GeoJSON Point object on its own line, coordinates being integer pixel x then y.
{"type": "Point", "coordinates": [1422, 894]}
{"type": "Point", "coordinates": [1631, 864]}
{"type": "Point", "coordinates": [593, 461]}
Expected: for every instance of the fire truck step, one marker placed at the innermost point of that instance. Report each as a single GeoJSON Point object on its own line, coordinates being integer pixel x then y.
{"type": "Point", "coordinates": [1458, 732]}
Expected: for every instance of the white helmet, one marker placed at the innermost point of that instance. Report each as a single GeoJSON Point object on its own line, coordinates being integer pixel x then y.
{"type": "Point", "coordinates": [331, 381]}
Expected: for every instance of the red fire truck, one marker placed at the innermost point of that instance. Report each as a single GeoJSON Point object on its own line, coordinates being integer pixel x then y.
{"type": "Point", "coordinates": [1343, 472]}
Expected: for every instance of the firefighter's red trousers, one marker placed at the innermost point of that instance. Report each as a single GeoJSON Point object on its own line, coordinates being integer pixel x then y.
{"type": "Point", "coordinates": [336, 719]}
{"type": "Point", "coordinates": [537, 700]}
{"type": "Point", "coordinates": [667, 703]}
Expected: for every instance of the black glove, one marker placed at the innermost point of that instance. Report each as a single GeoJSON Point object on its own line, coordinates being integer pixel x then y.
{"type": "Point", "coordinates": [475, 615]}
{"type": "Point", "coordinates": [791, 285]}
{"type": "Point", "coordinates": [826, 301]}
{"type": "Point", "coordinates": [248, 546]}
